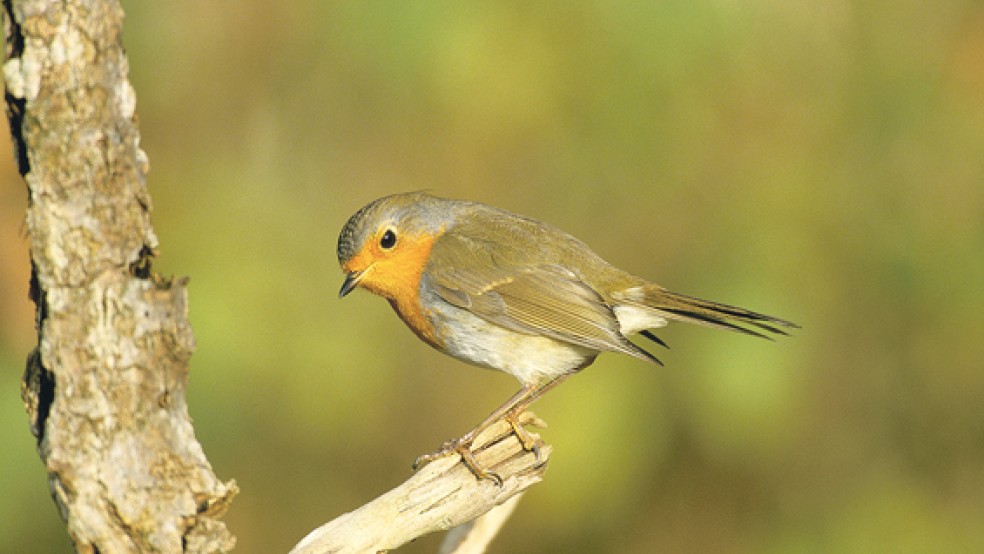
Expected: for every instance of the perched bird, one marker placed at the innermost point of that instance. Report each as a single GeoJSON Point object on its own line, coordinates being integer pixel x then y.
{"type": "Point", "coordinates": [511, 293]}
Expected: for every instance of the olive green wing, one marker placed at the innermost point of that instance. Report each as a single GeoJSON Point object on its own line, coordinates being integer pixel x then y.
{"type": "Point", "coordinates": [503, 286]}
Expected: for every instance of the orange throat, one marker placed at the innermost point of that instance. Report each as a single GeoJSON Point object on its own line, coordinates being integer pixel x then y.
{"type": "Point", "coordinates": [397, 279]}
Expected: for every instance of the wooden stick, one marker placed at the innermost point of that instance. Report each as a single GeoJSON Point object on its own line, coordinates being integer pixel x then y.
{"type": "Point", "coordinates": [474, 537]}
{"type": "Point", "coordinates": [441, 495]}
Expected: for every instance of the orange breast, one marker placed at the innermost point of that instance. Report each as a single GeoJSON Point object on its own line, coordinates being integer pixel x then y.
{"type": "Point", "coordinates": [413, 314]}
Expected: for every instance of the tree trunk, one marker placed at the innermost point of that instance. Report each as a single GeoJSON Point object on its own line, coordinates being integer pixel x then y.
{"type": "Point", "coordinates": [105, 387]}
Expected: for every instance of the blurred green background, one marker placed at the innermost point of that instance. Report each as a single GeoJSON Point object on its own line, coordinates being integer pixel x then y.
{"type": "Point", "coordinates": [819, 161]}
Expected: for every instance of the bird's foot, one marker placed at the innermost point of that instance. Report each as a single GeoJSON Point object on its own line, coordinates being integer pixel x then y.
{"type": "Point", "coordinates": [462, 446]}
{"type": "Point", "coordinates": [517, 422]}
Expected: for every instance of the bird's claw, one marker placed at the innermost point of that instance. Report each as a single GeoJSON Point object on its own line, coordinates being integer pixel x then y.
{"type": "Point", "coordinates": [447, 449]}
{"type": "Point", "coordinates": [462, 447]}
{"type": "Point", "coordinates": [529, 443]}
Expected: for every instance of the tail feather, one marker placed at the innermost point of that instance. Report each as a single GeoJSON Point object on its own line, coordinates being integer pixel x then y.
{"type": "Point", "coordinates": [685, 308]}
{"type": "Point", "coordinates": [649, 335]}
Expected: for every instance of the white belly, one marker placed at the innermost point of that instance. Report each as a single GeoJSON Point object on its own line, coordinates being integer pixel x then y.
{"type": "Point", "coordinates": [529, 358]}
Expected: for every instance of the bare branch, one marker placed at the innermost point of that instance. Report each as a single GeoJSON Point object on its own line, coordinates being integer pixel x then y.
{"type": "Point", "coordinates": [442, 495]}
{"type": "Point", "coordinates": [474, 537]}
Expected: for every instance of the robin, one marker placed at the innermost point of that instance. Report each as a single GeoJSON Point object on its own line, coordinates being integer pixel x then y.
{"type": "Point", "coordinates": [511, 293]}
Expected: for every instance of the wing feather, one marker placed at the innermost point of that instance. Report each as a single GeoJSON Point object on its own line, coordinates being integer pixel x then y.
{"type": "Point", "coordinates": [539, 299]}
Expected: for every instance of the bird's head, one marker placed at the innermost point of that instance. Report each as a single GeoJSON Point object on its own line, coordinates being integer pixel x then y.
{"type": "Point", "coordinates": [385, 245]}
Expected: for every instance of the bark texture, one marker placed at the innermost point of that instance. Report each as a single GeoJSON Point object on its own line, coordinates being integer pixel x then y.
{"type": "Point", "coordinates": [105, 387]}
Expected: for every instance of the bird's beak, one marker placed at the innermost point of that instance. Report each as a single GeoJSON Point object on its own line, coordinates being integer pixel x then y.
{"type": "Point", "coordinates": [352, 279]}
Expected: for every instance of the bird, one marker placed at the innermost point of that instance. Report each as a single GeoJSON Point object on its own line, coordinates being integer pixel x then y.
{"type": "Point", "coordinates": [510, 293]}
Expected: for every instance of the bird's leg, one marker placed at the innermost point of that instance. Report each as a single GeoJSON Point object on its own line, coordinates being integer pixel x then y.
{"type": "Point", "coordinates": [462, 445]}
{"type": "Point", "coordinates": [510, 412]}
{"type": "Point", "coordinates": [513, 414]}
{"type": "Point", "coordinates": [465, 440]}
{"type": "Point", "coordinates": [535, 394]}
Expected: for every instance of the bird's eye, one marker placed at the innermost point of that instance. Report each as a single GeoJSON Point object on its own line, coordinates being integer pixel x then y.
{"type": "Point", "coordinates": [388, 240]}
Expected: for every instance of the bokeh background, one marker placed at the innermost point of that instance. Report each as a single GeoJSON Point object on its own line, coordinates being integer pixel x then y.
{"type": "Point", "coordinates": [820, 161]}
